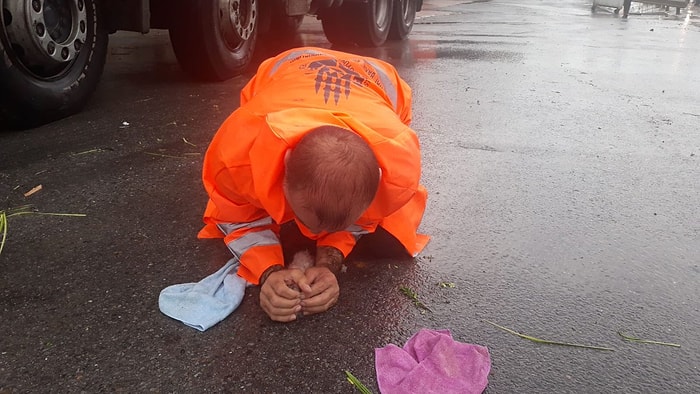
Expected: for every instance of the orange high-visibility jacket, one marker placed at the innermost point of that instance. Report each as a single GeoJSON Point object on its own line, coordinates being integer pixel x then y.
{"type": "Point", "coordinates": [290, 95]}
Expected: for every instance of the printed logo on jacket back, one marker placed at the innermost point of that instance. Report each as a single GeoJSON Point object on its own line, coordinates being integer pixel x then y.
{"type": "Point", "coordinates": [334, 77]}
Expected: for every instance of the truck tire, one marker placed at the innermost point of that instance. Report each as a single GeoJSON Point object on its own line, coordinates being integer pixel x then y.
{"type": "Point", "coordinates": [52, 54]}
{"type": "Point", "coordinates": [282, 25]}
{"type": "Point", "coordinates": [214, 40]}
{"type": "Point", "coordinates": [289, 25]}
{"type": "Point", "coordinates": [371, 22]}
{"type": "Point", "coordinates": [274, 23]}
{"type": "Point", "coordinates": [337, 26]}
{"type": "Point", "coordinates": [402, 19]}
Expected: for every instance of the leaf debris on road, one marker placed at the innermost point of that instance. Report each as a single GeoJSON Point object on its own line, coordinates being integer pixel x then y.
{"type": "Point", "coordinates": [414, 297]}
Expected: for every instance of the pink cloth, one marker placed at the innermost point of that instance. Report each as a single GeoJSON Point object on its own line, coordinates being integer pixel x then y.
{"type": "Point", "coordinates": [432, 362]}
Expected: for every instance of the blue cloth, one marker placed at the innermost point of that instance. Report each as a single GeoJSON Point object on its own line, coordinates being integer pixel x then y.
{"type": "Point", "coordinates": [203, 304]}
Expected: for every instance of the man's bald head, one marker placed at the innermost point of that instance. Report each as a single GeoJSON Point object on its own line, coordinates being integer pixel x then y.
{"type": "Point", "coordinates": [331, 177]}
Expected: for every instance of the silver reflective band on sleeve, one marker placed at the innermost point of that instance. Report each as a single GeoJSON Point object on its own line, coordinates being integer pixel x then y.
{"type": "Point", "coordinates": [260, 238]}
{"type": "Point", "coordinates": [228, 228]}
{"type": "Point", "coordinates": [389, 87]}
{"type": "Point", "coordinates": [356, 231]}
{"type": "Point", "coordinates": [292, 55]}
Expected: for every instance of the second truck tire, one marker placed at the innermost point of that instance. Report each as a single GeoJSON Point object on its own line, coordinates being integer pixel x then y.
{"type": "Point", "coordinates": [214, 40]}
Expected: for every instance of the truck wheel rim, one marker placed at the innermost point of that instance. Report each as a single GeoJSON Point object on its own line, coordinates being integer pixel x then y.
{"type": "Point", "coordinates": [237, 19]}
{"type": "Point", "coordinates": [404, 11]}
{"type": "Point", "coordinates": [45, 35]}
{"type": "Point", "coordinates": [381, 14]}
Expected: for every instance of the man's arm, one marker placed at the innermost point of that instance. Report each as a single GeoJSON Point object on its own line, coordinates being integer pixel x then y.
{"type": "Point", "coordinates": [329, 257]}
{"type": "Point", "coordinates": [344, 241]}
{"type": "Point", "coordinates": [256, 245]}
{"type": "Point", "coordinates": [269, 271]}
{"type": "Point", "coordinates": [260, 253]}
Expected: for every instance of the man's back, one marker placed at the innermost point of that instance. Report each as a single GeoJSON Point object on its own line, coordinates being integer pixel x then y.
{"type": "Point", "coordinates": [364, 88]}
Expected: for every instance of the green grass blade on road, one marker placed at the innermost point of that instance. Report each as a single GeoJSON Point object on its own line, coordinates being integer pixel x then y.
{"type": "Point", "coordinates": [413, 297]}
{"type": "Point", "coordinates": [639, 340]}
{"type": "Point", "coordinates": [356, 382]}
{"type": "Point", "coordinates": [548, 342]}
{"type": "Point", "coordinates": [3, 229]}
{"type": "Point", "coordinates": [24, 210]}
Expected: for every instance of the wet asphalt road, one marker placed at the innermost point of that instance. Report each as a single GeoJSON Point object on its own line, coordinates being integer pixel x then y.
{"type": "Point", "coordinates": [562, 153]}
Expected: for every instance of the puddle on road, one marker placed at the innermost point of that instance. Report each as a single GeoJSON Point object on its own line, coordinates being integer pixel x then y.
{"type": "Point", "coordinates": [477, 50]}
{"type": "Point", "coordinates": [485, 41]}
{"type": "Point", "coordinates": [477, 54]}
{"type": "Point", "coordinates": [458, 49]}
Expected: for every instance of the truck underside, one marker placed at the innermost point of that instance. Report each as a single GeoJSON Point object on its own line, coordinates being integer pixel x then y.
{"type": "Point", "coordinates": [52, 52]}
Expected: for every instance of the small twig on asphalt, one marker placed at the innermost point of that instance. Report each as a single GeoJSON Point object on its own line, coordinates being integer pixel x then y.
{"type": "Point", "coordinates": [633, 339]}
{"type": "Point", "coordinates": [414, 297]}
{"type": "Point", "coordinates": [688, 113]}
{"type": "Point", "coordinates": [33, 190]}
{"type": "Point", "coordinates": [538, 340]}
{"type": "Point", "coordinates": [85, 152]}
{"type": "Point", "coordinates": [163, 155]}
{"type": "Point", "coordinates": [356, 382]}
{"type": "Point", "coordinates": [187, 142]}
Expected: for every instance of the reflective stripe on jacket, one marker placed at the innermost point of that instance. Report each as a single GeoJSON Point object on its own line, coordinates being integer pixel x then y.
{"type": "Point", "coordinates": [291, 94]}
